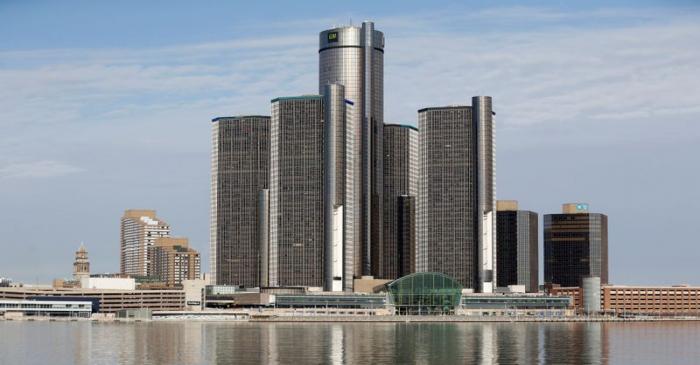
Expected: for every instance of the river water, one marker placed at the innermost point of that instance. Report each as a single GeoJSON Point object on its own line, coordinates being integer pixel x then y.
{"type": "Point", "coordinates": [186, 342]}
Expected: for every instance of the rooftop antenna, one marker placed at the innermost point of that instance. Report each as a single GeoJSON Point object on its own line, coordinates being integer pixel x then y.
{"type": "Point", "coordinates": [351, 21]}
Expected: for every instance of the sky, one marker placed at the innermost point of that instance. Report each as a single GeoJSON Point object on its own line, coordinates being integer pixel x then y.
{"type": "Point", "coordinates": [106, 106]}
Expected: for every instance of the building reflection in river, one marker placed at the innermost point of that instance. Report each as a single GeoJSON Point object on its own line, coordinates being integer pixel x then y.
{"type": "Point", "coordinates": [190, 342]}
{"type": "Point", "coordinates": [341, 343]}
{"type": "Point", "coordinates": [420, 343]}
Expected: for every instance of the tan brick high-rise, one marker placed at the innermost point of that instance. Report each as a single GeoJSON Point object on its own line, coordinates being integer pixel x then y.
{"type": "Point", "coordinates": [172, 261]}
{"type": "Point", "coordinates": [139, 230]}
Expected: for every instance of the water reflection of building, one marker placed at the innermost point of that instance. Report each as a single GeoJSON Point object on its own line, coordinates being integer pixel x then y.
{"type": "Point", "coordinates": [343, 343]}
{"type": "Point", "coordinates": [575, 343]}
{"type": "Point", "coordinates": [517, 344]}
{"type": "Point", "coordinates": [368, 343]}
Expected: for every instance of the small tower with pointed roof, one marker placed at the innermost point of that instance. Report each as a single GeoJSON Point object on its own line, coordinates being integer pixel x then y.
{"type": "Point", "coordinates": [81, 265]}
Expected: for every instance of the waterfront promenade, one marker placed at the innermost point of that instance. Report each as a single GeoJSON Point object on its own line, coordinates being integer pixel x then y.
{"type": "Point", "coordinates": [238, 317]}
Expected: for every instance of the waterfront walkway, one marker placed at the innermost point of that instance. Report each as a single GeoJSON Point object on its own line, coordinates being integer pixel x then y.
{"type": "Point", "coordinates": [359, 319]}
{"type": "Point", "coordinates": [432, 319]}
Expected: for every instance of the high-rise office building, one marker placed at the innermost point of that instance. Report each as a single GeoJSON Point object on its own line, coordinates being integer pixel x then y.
{"type": "Point", "coordinates": [456, 199]}
{"type": "Point", "coordinates": [575, 246]}
{"type": "Point", "coordinates": [483, 119]}
{"type": "Point", "coordinates": [406, 228]}
{"type": "Point", "coordinates": [354, 57]}
{"type": "Point", "coordinates": [395, 257]}
{"type": "Point", "coordinates": [139, 230]}
{"type": "Point", "coordinates": [296, 192]}
{"type": "Point", "coordinates": [516, 247]}
{"type": "Point", "coordinates": [240, 170]}
{"type": "Point", "coordinates": [81, 265]}
{"type": "Point", "coordinates": [173, 261]}
{"type": "Point", "coordinates": [340, 190]}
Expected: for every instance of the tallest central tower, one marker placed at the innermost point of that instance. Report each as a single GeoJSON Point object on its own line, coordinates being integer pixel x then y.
{"type": "Point", "coordinates": [354, 57]}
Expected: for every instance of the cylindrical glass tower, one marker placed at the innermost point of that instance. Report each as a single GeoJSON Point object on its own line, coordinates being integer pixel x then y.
{"type": "Point", "coordinates": [354, 57]}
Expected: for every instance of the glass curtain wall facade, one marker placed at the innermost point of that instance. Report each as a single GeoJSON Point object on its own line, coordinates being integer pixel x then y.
{"type": "Point", "coordinates": [340, 190]}
{"type": "Point", "coordinates": [448, 219]}
{"type": "Point", "coordinates": [516, 248]}
{"type": "Point", "coordinates": [575, 246]}
{"type": "Point", "coordinates": [483, 119]}
{"type": "Point", "coordinates": [424, 294]}
{"type": "Point", "coordinates": [296, 191]}
{"type": "Point", "coordinates": [240, 170]}
{"type": "Point", "coordinates": [406, 234]}
{"type": "Point", "coordinates": [507, 248]}
{"type": "Point", "coordinates": [392, 258]}
{"type": "Point", "coordinates": [354, 57]}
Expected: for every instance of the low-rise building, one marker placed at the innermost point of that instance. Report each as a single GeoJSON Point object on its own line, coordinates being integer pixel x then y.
{"type": "Point", "coordinates": [110, 300]}
{"type": "Point", "coordinates": [680, 300]}
{"type": "Point", "coordinates": [65, 283]}
{"type": "Point", "coordinates": [46, 308]}
{"type": "Point", "coordinates": [326, 300]}
{"type": "Point", "coordinates": [108, 283]}
{"type": "Point", "coordinates": [194, 293]}
{"type": "Point", "coordinates": [515, 304]}
{"type": "Point", "coordinates": [135, 314]}
{"type": "Point", "coordinates": [368, 284]}
{"type": "Point", "coordinates": [574, 292]}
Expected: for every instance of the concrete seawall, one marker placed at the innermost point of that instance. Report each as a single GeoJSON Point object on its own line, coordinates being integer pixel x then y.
{"type": "Point", "coordinates": [357, 319]}
{"type": "Point", "coordinates": [434, 319]}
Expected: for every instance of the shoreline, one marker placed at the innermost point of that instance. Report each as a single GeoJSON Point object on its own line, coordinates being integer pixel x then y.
{"type": "Point", "coordinates": [363, 319]}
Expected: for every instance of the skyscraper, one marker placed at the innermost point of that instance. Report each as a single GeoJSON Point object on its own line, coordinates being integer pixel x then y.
{"type": "Point", "coordinates": [406, 228]}
{"type": "Point", "coordinates": [575, 245]}
{"type": "Point", "coordinates": [456, 199]}
{"type": "Point", "coordinates": [516, 248]}
{"type": "Point", "coordinates": [482, 114]}
{"type": "Point", "coordinates": [395, 257]}
{"type": "Point", "coordinates": [354, 57]}
{"type": "Point", "coordinates": [340, 190]}
{"type": "Point", "coordinates": [139, 230]}
{"type": "Point", "coordinates": [240, 170]}
{"type": "Point", "coordinates": [296, 191]}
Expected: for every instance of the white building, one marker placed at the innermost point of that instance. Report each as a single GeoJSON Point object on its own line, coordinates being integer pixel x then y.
{"type": "Point", "coordinates": [46, 308]}
{"type": "Point", "coordinates": [108, 283]}
{"type": "Point", "coordinates": [194, 293]}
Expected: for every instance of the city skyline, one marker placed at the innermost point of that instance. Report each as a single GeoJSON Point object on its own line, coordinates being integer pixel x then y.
{"type": "Point", "coordinates": [25, 176]}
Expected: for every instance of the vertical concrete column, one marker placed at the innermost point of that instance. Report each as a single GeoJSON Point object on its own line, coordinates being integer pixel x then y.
{"type": "Point", "coordinates": [334, 115]}
{"type": "Point", "coordinates": [264, 234]}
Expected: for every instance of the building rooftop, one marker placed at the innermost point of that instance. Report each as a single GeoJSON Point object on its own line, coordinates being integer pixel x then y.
{"type": "Point", "coordinates": [299, 97]}
{"type": "Point", "coordinates": [506, 205]}
{"type": "Point", "coordinates": [679, 286]}
{"type": "Point", "coordinates": [401, 126]}
{"type": "Point", "coordinates": [238, 117]}
{"type": "Point", "coordinates": [574, 208]}
{"type": "Point", "coordinates": [138, 213]}
{"type": "Point", "coordinates": [438, 108]}
{"type": "Point", "coordinates": [171, 241]}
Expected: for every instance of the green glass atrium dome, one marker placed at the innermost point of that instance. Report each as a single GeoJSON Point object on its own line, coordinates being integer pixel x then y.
{"type": "Point", "coordinates": [425, 293]}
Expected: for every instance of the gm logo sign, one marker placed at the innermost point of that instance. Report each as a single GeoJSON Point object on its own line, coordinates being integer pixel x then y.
{"type": "Point", "coordinates": [332, 37]}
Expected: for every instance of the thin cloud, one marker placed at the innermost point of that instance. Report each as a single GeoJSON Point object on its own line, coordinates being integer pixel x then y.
{"type": "Point", "coordinates": [560, 74]}
{"type": "Point", "coordinates": [37, 169]}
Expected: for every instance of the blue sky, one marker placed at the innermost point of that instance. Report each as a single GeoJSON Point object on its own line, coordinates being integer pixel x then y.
{"type": "Point", "coordinates": [105, 107]}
